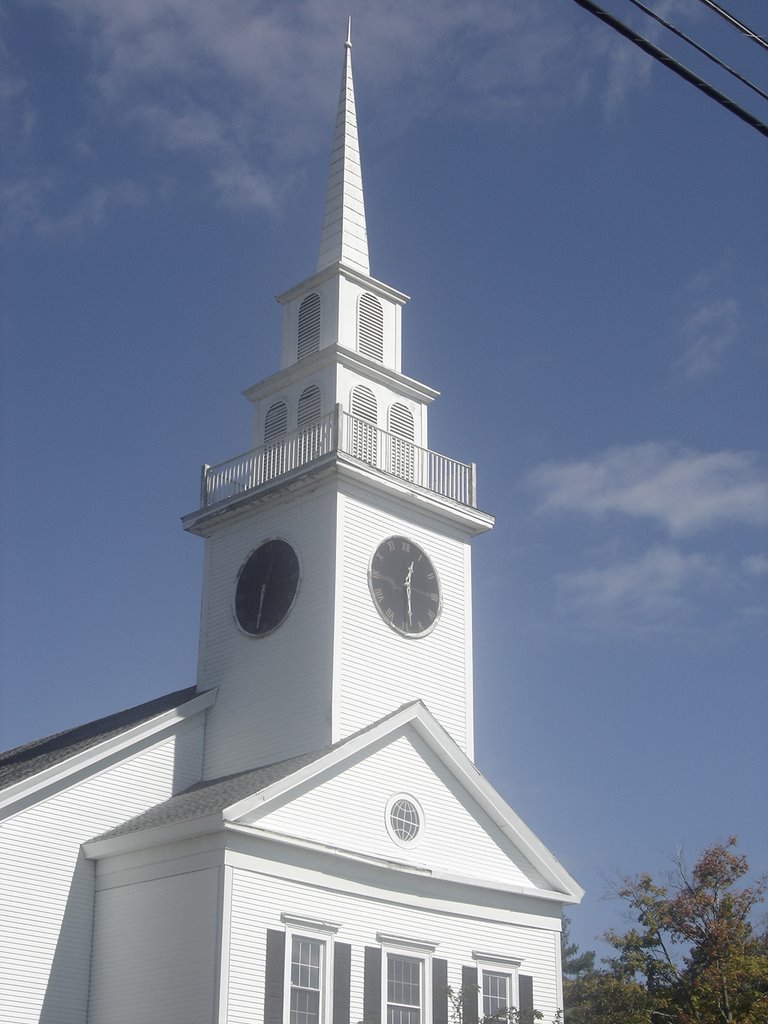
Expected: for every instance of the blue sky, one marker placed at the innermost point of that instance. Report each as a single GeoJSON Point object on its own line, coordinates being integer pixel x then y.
{"type": "Point", "coordinates": [584, 237]}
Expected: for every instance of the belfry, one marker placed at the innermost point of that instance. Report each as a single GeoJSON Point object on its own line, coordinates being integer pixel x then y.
{"type": "Point", "coordinates": [302, 836]}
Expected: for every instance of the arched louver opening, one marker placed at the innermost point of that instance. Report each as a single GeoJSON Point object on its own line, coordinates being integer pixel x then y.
{"type": "Point", "coordinates": [276, 422]}
{"type": "Point", "coordinates": [401, 447]}
{"type": "Point", "coordinates": [309, 326]}
{"type": "Point", "coordinates": [308, 423]}
{"type": "Point", "coordinates": [364, 429]}
{"type": "Point", "coordinates": [309, 405]}
{"type": "Point", "coordinates": [275, 427]}
{"type": "Point", "coordinates": [370, 327]}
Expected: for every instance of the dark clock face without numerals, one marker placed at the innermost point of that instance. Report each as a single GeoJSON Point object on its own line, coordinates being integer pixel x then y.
{"type": "Point", "coordinates": [266, 587]}
{"type": "Point", "coordinates": [404, 586]}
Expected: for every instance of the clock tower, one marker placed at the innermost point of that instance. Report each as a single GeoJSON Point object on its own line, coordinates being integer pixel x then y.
{"type": "Point", "coordinates": [337, 578]}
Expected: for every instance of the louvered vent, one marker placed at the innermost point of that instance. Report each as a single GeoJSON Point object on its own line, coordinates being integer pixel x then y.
{"type": "Point", "coordinates": [309, 326]}
{"type": "Point", "coordinates": [309, 405]}
{"type": "Point", "coordinates": [276, 422]}
{"type": "Point", "coordinates": [364, 431]}
{"type": "Point", "coordinates": [401, 449]}
{"type": "Point", "coordinates": [370, 327]}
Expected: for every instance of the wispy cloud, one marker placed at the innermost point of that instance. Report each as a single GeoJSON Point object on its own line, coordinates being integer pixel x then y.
{"type": "Point", "coordinates": [683, 491]}
{"type": "Point", "coordinates": [709, 333]}
{"type": "Point", "coordinates": [24, 203]}
{"type": "Point", "coordinates": [653, 586]}
{"type": "Point", "coordinates": [248, 89]}
{"type": "Point", "coordinates": [755, 565]}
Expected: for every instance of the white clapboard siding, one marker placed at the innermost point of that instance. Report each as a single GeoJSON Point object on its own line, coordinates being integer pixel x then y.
{"type": "Point", "coordinates": [348, 810]}
{"type": "Point", "coordinates": [380, 669]}
{"type": "Point", "coordinates": [154, 951]}
{"type": "Point", "coordinates": [258, 902]}
{"type": "Point", "coordinates": [273, 691]}
{"type": "Point", "coordinates": [46, 886]}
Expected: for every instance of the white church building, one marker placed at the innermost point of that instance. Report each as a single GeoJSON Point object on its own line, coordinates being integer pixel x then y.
{"type": "Point", "coordinates": [302, 837]}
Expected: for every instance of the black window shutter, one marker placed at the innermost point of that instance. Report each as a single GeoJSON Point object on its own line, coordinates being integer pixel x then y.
{"type": "Point", "coordinates": [469, 994]}
{"type": "Point", "coordinates": [273, 982]}
{"type": "Point", "coordinates": [525, 985]}
{"type": "Point", "coordinates": [372, 986]}
{"type": "Point", "coordinates": [342, 972]}
{"type": "Point", "coordinates": [439, 991]}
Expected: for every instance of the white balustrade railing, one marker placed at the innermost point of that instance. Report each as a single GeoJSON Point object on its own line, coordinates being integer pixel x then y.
{"type": "Point", "coordinates": [344, 433]}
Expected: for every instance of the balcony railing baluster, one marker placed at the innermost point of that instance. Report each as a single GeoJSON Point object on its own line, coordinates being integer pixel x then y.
{"type": "Point", "coordinates": [390, 453]}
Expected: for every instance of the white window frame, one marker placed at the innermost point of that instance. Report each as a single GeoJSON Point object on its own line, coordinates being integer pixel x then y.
{"type": "Point", "coordinates": [315, 931]}
{"type": "Point", "coordinates": [412, 949]}
{"type": "Point", "coordinates": [495, 963]}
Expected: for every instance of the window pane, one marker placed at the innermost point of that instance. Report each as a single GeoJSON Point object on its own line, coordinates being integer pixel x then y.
{"type": "Point", "coordinates": [305, 981]}
{"type": "Point", "coordinates": [495, 993]}
{"type": "Point", "coordinates": [403, 990]}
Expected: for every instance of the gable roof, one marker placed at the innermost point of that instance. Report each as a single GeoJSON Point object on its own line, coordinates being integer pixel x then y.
{"type": "Point", "coordinates": [237, 801]}
{"type": "Point", "coordinates": [29, 759]}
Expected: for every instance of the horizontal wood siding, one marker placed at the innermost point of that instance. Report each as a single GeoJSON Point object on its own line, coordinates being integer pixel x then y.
{"type": "Point", "coordinates": [46, 886]}
{"type": "Point", "coordinates": [154, 951]}
{"type": "Point", "coordinates": [274, 691]}
{"type": "Point", "coordinates": [379, 669]}
{"type": "Point", "coordinates": [258, 902]}
{"type": "Point", "coordinates": [348, 811]}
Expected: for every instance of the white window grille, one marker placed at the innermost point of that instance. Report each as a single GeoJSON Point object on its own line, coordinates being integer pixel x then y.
{"type": "Point", "coordinates": [309, 326]}
{"type": "Point", "coordinates": [306, 980]}
{"type": "Point", "coordinates": [370, 327]}
{"type": "Point", "coordinates": [404, 989]}
{"type": "Point", "coordinates": [495, 993]}
{"type": "Point", "coordinates": [364, 430]}
{"type": "Point", "coordinates": [498, 977]}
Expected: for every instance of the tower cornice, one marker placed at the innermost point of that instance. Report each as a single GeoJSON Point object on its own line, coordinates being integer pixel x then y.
{"type": "Point", "coordinates": [338, 355]}
{"type": "Point", "coordinates": [341, 269]}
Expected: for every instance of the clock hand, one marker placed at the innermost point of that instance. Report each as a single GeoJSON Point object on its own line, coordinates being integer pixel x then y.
{"type": "Point", "coordinates": [261, 604]}
{"type": "Point", "coordinates": [408, 577]}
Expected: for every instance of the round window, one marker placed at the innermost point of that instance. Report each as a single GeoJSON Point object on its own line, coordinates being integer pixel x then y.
{"type": "Point", "coordinates": [404, 819]}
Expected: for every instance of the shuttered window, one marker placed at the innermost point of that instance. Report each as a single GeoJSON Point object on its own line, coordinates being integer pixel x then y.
{"type": "Point", "coordinates": [309, 441]}
{"type": "Point", "coordinates": [440, 991]}
{"type": "Point", "coordinates": [527, 1012]}
{"type": "Point", "coordinates": [276, 422]}
{"type": "Point", "coordinates": [364, 431]}
{"type": "Point", "coordinates": [401, 448]}
{"type": "Point", "coordinates": [309, 405]}
{"type": "Point", "coordinates": [370, 327]}
{"type": "Point", "coordinates": [275, 426]}
{"type": "Point", "coordinates": [309, 326]}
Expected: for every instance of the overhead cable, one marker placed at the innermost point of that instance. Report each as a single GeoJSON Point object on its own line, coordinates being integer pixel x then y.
{"type": "Point", "coordinates": [695, 45]}
{"type": "Point", "coordinates": [735, 22]}
{"type": "Point", "coordinates": [673, 65]}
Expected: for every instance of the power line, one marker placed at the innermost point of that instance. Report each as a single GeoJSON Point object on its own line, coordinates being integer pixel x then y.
{"type": "Point", "coordinates": [673, 65]}
{"type": "Point", "coordinates": [735, 22]}
{"type": "Point", "coordinates": [695, 45]}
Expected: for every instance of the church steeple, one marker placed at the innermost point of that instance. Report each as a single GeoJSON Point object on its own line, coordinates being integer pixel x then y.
{"type": "Point", "coordinates": [344, 237]}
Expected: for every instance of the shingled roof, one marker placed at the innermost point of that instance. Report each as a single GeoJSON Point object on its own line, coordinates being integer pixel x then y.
{"type": "Point", "coordinates": [212, 795]}
{"type": "Point", "coordinates": [22, 762]}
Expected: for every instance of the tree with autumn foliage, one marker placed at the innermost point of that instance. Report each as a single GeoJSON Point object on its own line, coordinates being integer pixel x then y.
{"type": "Point", "coordinates": [693, 956]}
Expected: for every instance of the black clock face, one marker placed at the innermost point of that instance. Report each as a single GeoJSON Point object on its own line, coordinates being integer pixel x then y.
{"type": "Point", "coordinates": [266, 587]}
{"type": "Point", "coordinates": [404, 586]}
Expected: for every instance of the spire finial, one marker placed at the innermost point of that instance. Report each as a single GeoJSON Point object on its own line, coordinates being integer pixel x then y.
{"type": "Point", "coordinates": [344, 238]}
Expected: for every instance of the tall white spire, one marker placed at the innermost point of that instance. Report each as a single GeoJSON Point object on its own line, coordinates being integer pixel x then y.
{"type": "Point", "coordinates": [344, 238]}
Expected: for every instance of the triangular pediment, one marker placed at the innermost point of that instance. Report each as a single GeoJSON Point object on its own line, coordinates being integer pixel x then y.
{"type": "Point", "coordinates": [344, 800]}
